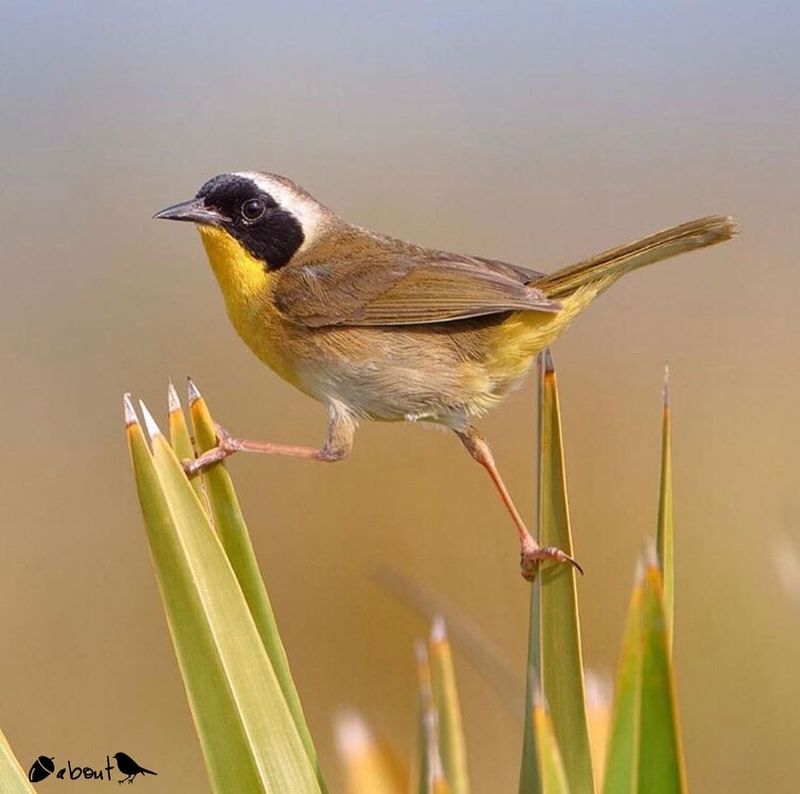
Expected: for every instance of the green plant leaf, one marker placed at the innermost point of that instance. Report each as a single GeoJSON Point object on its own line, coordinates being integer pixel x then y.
{"type": "Point", "coordinates": [232, 532]}
{"type": "Point", "coordinates": [622, 758]}
{"type": "Point", "coordinates": [661, 767]}
{"type": "Point", "coordinates": [554, 776]}
{"type": "Point", "coordinates": [665, 538]}
{"type": "Point", "coordinates": [249, 739]}
{"type": "Point", "coordinates": [181, 441]}
{"type": "Point", "coordinates": [561, 656]}
{"type": "Point", "coordinates": [431, 779]}
{"type": "Point", "coordinates": [644, 752]}
{"type": "Point", "coordinates": [530, 780]}
{"type": "Point", "coordinates": [448, 711]}
{"type": "Point", "coordinates": [12, 777]}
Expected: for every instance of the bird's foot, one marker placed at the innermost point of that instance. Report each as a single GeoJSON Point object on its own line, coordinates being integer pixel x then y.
{"type": "Point", "coordinates": [532, 555]}
{"type": "Point", "coordinates": [226, 446]}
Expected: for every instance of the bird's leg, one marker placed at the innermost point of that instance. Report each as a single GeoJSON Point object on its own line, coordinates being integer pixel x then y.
{"type": "Point", "coordinates": [531, 553]}
{"type": "Point", "coordinates": [338, 443]}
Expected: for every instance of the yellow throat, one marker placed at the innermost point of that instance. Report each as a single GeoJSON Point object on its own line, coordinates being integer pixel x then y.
{"type": "Point", "coordinates": [247, 288]}
{"type": "Point", "coordinates": [242, 278]}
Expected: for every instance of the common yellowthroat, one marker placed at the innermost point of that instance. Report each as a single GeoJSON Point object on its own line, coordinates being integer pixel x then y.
{"type": "Point", "coordinates": [378, 328]}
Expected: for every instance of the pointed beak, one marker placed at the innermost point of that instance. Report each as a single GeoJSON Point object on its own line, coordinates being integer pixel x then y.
{"type": "Point", "coordinates": [194, 211]}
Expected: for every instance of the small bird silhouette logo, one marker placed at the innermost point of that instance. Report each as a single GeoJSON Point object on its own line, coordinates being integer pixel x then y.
{"type": "Point", "coordinates": [129, 767]}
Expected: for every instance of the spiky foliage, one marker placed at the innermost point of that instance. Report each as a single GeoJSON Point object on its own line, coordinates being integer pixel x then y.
{"type": "Point", "coordinates": [243, 699]}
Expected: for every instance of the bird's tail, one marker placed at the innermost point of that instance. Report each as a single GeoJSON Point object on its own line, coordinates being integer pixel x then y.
{"type": "Point", "coordinates": [147, 771]}
{"type": "Point", "coordinates": [604, 269]}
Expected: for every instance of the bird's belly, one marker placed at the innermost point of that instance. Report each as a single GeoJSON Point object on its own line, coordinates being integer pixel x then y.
{"type": "Point", "coordinates": [446, 373]}
{"type": "Point", "coordinates": [379, 376]}
{"type": "Point", "coordinates": [386, 374]}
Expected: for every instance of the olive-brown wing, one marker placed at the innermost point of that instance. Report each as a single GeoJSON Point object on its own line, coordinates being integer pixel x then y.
{"type": "Point", "coordinates": [404, 291]}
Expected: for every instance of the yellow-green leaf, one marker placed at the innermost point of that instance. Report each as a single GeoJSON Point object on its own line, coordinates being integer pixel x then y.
{"type": "Point", "coordinates": [554, 776]}
{"type": "Point", "coordinates": [530, 780]}
{"type": "Point", "coordinates": [370, 768]}
{"type": "Point", "coordinates": [12, 777]}
{"type": "Point", "coordinates": [645, 749]}
{"type": "Point", "coordinates": [661, 767]}
{"type": "Point", "coordinates": [431, 779]}
{"type": "Point", "coordinates": [180, 439]}
{"type": "Point", "coordinates": [448, 711]}
{"type": "Point", "coordinates": [232, 531]}
{"type": "Point", "coordinates": [622, 758]}
{"type": "Point", "coordinates": [247, 733]}
{"type": "Point", "coordinates": [561, 656]}
{"type": "Point", "coordinates": [665, 537]}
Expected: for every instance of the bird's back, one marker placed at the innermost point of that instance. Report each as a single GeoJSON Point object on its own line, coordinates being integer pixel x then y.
{"type": "Point", "coordinates": [395, 331]}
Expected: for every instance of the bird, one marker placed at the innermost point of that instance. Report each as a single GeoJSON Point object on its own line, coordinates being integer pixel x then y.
{"type": "Point", "coordinates": [377, 328]}
{"type": "Point", "coordinates": [130, 768]}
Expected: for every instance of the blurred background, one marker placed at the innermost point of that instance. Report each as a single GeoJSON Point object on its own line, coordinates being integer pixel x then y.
{"type": "Point", "coordinates": [536, 133]}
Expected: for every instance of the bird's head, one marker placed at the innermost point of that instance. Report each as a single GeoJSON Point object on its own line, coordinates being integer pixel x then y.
{"type": "Point", "coordinates": [252, 224]}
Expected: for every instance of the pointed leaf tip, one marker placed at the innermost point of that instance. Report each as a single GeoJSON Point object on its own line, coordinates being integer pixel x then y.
{"type": "Point", "coordinates": [352, 733]}
{"type": "Point", "coordinates": [130, 413]}
{"type": "Point", "coordinates": [438, 630]}
{"type": "Point", "coordinates": [666, 384]}
{"type": "Point", "coordinates": [556, 696]}
{"type": "Point", "coordinates": [647, 561]}
{"type": "Point", "coordinates": [194, 392]}
{"type": "Point", "coordinates": [173, 401]}
{"type": "Point", "coordinates": [152, 428]}
{"type": "Point", "coordinates": [599, 689]}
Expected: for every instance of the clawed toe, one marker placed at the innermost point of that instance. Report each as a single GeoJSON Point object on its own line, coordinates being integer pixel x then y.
{"type": "Point", "coordinates": [532, 558]}
{"type": "Point", "coordinates": [224, 438]}
{"type": "Point", "coordinates": [226, 446]}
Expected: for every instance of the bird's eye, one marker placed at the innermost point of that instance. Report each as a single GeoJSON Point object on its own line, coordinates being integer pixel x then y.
{"type": "Point", "coordinates": [252, 210]}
